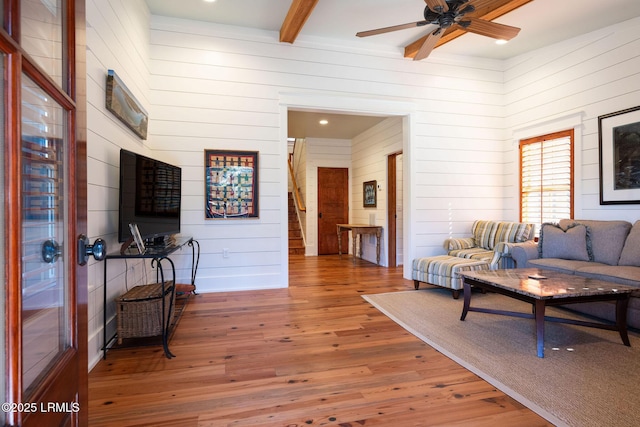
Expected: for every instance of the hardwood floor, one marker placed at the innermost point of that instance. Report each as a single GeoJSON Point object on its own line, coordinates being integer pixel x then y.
{"type": "Point", "coordinates": [310, 355]}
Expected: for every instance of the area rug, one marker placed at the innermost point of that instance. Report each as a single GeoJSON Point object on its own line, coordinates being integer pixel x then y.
{"type": "Point", "coordinates": [587, 377]}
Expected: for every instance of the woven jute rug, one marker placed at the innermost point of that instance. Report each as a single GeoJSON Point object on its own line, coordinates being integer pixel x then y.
{"type": "Point", "coordinates": [587, 377]}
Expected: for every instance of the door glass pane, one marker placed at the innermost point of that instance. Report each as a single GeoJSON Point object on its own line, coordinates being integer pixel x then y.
{"type": "Point", "coordinates": [45, 291]}
{"type": "Point", "coordinates": [42, 35]}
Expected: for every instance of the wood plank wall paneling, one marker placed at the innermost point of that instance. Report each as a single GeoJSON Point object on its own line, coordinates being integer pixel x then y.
{"type": "Point", "coordinates": [208, 86]}
{"type": "Point", "coordinates": [589, 76]}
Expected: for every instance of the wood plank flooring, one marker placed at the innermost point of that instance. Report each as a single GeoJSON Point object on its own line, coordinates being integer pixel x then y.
{"type": "Point", "coordinates": [315, 354]}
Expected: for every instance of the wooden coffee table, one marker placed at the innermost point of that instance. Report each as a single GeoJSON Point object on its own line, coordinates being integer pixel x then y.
{"type": "Point", "coordinates": [544, 288]}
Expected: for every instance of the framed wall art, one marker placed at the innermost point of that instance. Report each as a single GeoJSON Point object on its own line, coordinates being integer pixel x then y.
{"type": "Point", "coordinates": [231, 184]}
{"type": "Point", "coordinates": [619, 144]}
{"type": "Point", "coordinates": [121, 102]}
{"type": "Point", "coordinates": [369, 194]}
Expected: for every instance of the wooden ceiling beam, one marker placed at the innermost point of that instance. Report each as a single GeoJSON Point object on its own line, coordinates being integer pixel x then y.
{"type": "Point", "coordinates": [485, 9]}
{"type": "Point", "coordinates": [299, 12]}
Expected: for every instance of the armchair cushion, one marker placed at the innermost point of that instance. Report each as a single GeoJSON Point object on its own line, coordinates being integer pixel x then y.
{"type": "Point", "coordinates": [457, 243]}
{"type": "Point", "coordinates": [484, 233]}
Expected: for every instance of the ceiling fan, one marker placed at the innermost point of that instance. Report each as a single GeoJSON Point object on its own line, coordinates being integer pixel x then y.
{"type": "Point", "coordinates": [443, 14]}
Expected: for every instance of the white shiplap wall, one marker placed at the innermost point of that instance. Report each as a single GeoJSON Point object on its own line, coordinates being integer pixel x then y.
{"type": "Point", "coordinates": [570, 85]}
{"type": "Point", "coordinates": [118, 39]}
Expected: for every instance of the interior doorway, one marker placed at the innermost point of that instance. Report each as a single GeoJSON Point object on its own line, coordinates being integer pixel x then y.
{"type": "Point", "coordinates": [333, 208]}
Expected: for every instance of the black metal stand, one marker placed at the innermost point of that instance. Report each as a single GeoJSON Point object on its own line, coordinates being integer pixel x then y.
{"type": "Point", "coordinates": [157, 254]}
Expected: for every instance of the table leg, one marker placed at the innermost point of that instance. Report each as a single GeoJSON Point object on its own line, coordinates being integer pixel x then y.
{"type": "Point", "coordinates": [340, 242]}
{"type": "Point", "coordinates": [621, 319]}
{"type": "Point", "coordinates": [540, 307]}
{"type": "Point", "coordinates": [354, 236]}
{"type": "Point", "coordinates": [467, 299]}
{"type": "Point", "coordinates": [378, 234]}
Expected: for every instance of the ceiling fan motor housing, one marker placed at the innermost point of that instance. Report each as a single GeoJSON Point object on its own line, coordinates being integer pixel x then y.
{"type": "Point", "coordinates": [447, 19]}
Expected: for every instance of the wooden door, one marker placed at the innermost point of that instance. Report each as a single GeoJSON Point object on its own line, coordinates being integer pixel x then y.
{"type": "Point", "coordinates": [44, 211]}
{"type": "Point", "coordinates": [394, 209]}
{"type": "Point", "coordinates": [333, 208]}
{"type": "Point", "coordinates": [391, 209]}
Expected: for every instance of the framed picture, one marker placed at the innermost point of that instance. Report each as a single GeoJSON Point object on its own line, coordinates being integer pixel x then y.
{"type": "Point", "coordinates": [619, 144]}
{"type": "Point", "coordinates": [369, 194]}
{"type": "Point", "coordinates": [231, 184]}
{"type": "Point", "coordinates": [121, 102]}
{"type": "Point", "coordinates": [135, 232]}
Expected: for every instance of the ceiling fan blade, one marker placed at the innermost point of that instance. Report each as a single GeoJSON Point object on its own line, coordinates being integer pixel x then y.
{"type": "Point", "coordinates": [490, 29]}
{"type": "Point", "coordinates": [438, 6]}
{"type": "Point", "coordinates": [392, 28]}
{"type": "Point", "coordinates": [428, 44]}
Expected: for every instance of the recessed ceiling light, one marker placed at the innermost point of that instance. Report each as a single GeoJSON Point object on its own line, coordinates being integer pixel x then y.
{"type": "Point", "coordinates": [209, 1]}
{"type": "Point", "coordinates": [324, 122]}
{"type": "Point", "coordinates": [500, 41]}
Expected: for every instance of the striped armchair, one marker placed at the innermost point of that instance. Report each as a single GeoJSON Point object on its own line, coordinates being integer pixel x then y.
{"type": "Point", "coordinates": [488, 242]}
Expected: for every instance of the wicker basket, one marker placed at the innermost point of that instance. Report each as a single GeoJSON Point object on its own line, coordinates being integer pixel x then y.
{"type": "Point", "coordinates": [139, 311]}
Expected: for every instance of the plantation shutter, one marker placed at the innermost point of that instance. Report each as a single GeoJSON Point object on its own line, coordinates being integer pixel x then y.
{"type": "Point", "coordinates": [546, 165]}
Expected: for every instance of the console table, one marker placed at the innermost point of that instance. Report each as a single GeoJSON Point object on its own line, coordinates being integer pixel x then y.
{"type": "Point", "coordinates": [157, 255]}
{"type": "Point", "coordinates": [357, 230]}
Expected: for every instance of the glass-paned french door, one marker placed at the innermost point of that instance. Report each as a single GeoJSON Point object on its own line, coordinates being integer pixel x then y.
{"type": "Point", "coordinates": [45, 286]}
{"type": "Point", "coordinates": [44, 302]}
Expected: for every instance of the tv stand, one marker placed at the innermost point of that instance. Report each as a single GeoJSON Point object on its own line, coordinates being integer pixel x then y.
{"type": "Point", "coordinates": [158, 255]}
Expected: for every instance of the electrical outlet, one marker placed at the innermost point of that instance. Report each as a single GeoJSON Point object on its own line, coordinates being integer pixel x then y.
{"type": "Point", "coordinates": [225, 253]}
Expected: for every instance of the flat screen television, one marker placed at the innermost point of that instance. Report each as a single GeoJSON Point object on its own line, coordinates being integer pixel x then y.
{"type": "Point", "coordinates": [150, 193]}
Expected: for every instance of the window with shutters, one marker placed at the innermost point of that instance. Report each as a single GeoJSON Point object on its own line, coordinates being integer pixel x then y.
{"type": "Point", "coordinates": [546, 178]}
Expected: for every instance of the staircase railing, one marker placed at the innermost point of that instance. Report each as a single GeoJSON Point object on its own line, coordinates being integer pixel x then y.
{"type": "Point", "coordinates": [296, 193]}
{"type": "Point", "coordinates": [298, 202]}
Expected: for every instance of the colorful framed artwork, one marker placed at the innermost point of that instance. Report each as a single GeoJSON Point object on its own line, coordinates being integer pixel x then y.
{"type": "Point", "coordinates": [619, 144]}
{"type": "Point", "coordinates": [231, 184]}
{"type": "Point", "coordinates": [121, 102]}
{"type": "Point", "coordinates": [369, 194]}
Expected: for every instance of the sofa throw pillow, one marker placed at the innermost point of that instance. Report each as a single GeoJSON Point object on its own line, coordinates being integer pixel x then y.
{"type": "Point", "coordinates": [631, 250]}
{"type": "Point", "coordinates": [572, 243]}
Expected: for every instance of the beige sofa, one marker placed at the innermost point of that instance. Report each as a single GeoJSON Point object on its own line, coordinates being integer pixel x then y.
{"type": "Point", "coordinates": [606, 250]}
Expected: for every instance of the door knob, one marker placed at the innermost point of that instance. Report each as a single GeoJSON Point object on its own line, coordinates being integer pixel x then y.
{"type": "Point", "coordinates": [98, 249]}
{"type": "Point", "coordinates": [51, 251]}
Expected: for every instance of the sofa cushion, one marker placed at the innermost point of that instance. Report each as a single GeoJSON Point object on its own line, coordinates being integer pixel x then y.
{"type": "Point", "coordinates": [571, 243]}
{"type": "Point", "coordinates": [625, 275]}
{"type": "Point", "coordinates": [631, 251]}
{"type": "Point", "coordinates": [561, 265]}
{"type": "Point", "coordinates": [607, 238]}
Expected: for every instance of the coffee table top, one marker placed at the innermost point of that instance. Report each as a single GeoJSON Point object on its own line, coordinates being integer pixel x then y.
{"type": "Point", "coordinates": [545, 284]}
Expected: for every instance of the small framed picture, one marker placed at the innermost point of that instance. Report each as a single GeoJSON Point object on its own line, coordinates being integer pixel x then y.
{"type": "Point", "coordinates": [369, 194]}
{"type": "Point", "coordinates": [137, 237]}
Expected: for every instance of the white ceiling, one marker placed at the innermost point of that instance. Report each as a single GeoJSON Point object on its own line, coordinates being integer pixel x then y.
{"type": "Point", "coordinates": [542, 22]}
